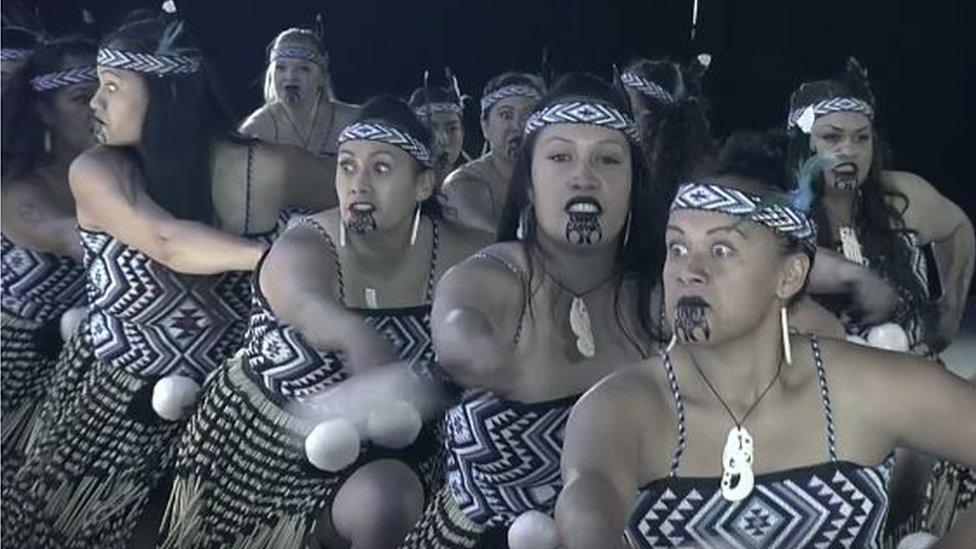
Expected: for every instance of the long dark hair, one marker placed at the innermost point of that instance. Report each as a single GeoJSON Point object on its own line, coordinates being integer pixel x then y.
{"type": "Point", "coordinates": [640, 257]}
{"type": "Point", "coordinates": [396, 113]}
{"type": "Point", "coordinates": [184, 117]}
{"type": "Point", "coordinates": [23, 129]}
{"type": "Point", "coordinates": [880, 224]}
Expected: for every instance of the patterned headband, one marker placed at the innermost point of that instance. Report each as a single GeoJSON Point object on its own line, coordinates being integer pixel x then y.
{"type": "Point", "coordinates": [804, 117]}
{"type": "Point", "coordinates": [297, 52]}
{"type": "Point", "coordinates": [433, 108]}
{"type": "Point", "coordinates": [505, 92]}
{"type": "Point", "coordinates": [157, 64]}
{"type": "Point", "coordinates": [15, 54]}
{"type": "Point", "coordinates": [583, 112]}
{"type": "Point", "coordinates": [61, 79]}
{"type": "Point", "coordinates": [777, 215]}
{"type": "Point", "coordinates": [372, 130]}
{"type": "Point", "coordinates": [646, 87]}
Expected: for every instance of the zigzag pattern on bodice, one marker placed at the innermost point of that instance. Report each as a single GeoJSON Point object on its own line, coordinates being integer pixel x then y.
{"type": "Point", "coordinates": [39, 286]}
{"type": "Point", "coordinates": [504, 455]}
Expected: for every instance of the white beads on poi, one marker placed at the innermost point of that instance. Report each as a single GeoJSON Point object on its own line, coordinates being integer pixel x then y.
{"type": "Point", "coordinates": [174, 397]}
{"type": "Point", "coordinates": [533, 530]}
{"type": "Point", "coordinates": [333, 445]}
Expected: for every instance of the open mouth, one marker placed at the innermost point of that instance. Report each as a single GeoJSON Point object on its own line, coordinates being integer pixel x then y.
{"type": "Point", "coordinates": [362, 208]}
{"type": "Point", "coordinates": [845, 176]}
{"type": "Point", "coordinates": [584, 205]}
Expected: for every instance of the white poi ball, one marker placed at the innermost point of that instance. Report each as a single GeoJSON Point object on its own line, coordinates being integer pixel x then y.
{"type": "Point", "coordinates": [332, 445]}
{"type": "Point", "coordinates": [175, 396]}
{"type": "Point", "coordinates": [395, 426]}
{"type": "Point", "coordinates": [533, 530]}
{"type": "Point", "coordinates": [918, 540]}
{"type": "Point", "coordinates": [70, 321]}
{"type": "Point", "coordinates": [857, 339]}
{"type": "Point", "coordinates": [888, 336]}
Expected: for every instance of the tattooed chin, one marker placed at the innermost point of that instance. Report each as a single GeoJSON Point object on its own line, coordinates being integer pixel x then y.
{"type": "Point", "coordinates": [583, 229]}
{"type": "Point", "coordinates": [361, 222]}
{"type": "Point", "coordinates": [691, 320]}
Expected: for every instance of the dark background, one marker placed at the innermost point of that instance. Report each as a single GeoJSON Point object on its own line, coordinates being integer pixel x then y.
{"type": "Point", "coordinates": [919, 54]}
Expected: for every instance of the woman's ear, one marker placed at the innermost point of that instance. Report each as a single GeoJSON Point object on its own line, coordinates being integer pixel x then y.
{"type": "Point", "coordinates": [794, 275]}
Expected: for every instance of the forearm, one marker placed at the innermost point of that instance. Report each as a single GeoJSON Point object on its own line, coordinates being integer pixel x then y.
{"type": "Point", "coordinates": [591, 514]}
{"type": "Point", "coordinates": [470, 351]}
{"type": "Point", "coordinates": [832, 273]}
{"type": "Point", "coordinates": [194, 248]}
{"type": "Point", "coordinates": [958, 251]}
{"type": "Point", "coordinates": [329, 328]}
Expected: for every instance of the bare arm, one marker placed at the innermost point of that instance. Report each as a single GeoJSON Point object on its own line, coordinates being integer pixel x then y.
{"type": "Point", "coordinates": [298, 280]}
{"type": "Point", "coordinates": [469, 201]}
{"type": "Point", "coordinates": [309, 181]}
{"type": "Point", "coordinates": [106, 201]}
{"type": "Point", "coordinates": [29, 220]}
{"type": "Point", "coordinates": [601, 465]}
{"type": "Point", "coordinates": [809, 317]}
{"type": "Point", "coordinates": [873, 296]}
{"type": "Point", "coordinates": [939, 221]}
{"type": "Point", "coordinates": [474, 322]}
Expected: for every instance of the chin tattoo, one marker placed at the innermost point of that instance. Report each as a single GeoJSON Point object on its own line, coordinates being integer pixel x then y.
{"type": "Point", "coordinates": [691, 320]}
{"type": "Point", "coordinates": [583, 229]}
{"type": "Point", "coordinates": [361, 222]}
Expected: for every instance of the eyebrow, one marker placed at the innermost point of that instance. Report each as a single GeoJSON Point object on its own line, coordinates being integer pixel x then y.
{"type": "Point", "coordinates": [730, 228]}
{"type": "Point", "coordinates": [675, 229]}
{"type": "Point", "coordinates": [571, 142]}
{"type": "Point", "coordinates": [855, 130]}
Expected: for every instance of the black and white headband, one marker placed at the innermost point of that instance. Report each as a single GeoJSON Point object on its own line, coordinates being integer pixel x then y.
{"type": "Point", "coordinates": [583, 112]}
{"type": "Point", "coordinates": [650, 89]}
{"type": "Point", "coordinates": [61, 79]}
{"type": "Point", "coordinates": [15, 54]}
{"type": "Point", "coordinates": [804, 117]}
{"type": "Point", "coordinates": [374, 130]}
{"type": "Point", "coordinates": [505, 92]}
{"type": "Point", "coordinates": [157, 64]}
{"type": "Point", "coordinates": [774, 214]}
{"type": "Point", "coordinates": [433, 108]}
{"type": "Point", "coordinates": [298, 52]}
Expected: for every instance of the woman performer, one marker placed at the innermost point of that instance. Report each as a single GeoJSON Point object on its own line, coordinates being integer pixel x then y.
{"type": "Point", "coordinates": [525, 324]}
{"type": "Point", "coordinates": [342, 290]}
{"type": "Point", "coordinates": [148, 200]}
{"type": "Point", "coordinates": [475, 193]}
{"type": "Point", "coordinates": [442, 111]}
{"type": "Point", "coordinates": [894, 214]}
{"type": "Point", "coordinates": [807, 449]}
{"type": "Point", "coordinates": [46, 124]}
{"type": "Point", "coordinates": [873, 226]}
{"type": "Point", "coordinates": [300, 107]}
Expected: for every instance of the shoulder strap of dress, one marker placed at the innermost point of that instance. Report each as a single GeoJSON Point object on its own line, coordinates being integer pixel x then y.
{"type": "Point", "coordinates": [679, 406]}
{"type": "Point", "coordinates": [825, 395]}
{"type": "Point", "coordinates": [311, 222]}
{"type": "Point", "coordinates": [247, 189]}
{"type": "Point", "coordinates": [522, 279]}
{"type": "Point", "coordinates": [431, 281]}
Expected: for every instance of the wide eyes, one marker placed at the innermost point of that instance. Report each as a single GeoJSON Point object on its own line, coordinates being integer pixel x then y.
{"type": "Point", "coordinates": [718, 250]}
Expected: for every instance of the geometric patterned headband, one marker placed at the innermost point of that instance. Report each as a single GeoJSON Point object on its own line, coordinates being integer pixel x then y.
{"type": "Point", "coordinates": [432, 108]}
{"type": "Point", "coordinates": [804, 117]}
{"type": "Point", "coordinates": [372, 130]}
{"type": "Point", "coordinates": [505, 92]}
{"type": "Point", "coordinates": [583, 112]}
{"type": "Point", "coordinates": [646, 87]}
{"type": "Point", "coordinates": [61, 79]}
{"type": "Point", "coordinates": [768, 210]}
{"type": "Point", "coordinates": [157, 64]}
{"type": "Point", "coordinates": [14, 54]}
{"type": "Point", "coordinates": [298, 52]}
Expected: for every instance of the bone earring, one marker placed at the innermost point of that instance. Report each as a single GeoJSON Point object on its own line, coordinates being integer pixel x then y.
{"type": "Point", "coordinates": [627, 230]}
{"type": "Point", "coordinates": [416, 226]}
{"type": "Point", "coordinates": [785, 327]}
{"type": "Point", "coordinates": [342, 233]}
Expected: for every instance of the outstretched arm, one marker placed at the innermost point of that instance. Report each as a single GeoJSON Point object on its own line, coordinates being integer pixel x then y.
{"type": "Point", "coordinates": [108, 199]}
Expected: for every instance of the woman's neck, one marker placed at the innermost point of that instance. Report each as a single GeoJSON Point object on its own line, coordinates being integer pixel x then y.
{"type": "Point", "coordinates": [580, 271]}
{"type": "Point", "coordinates": [376, 251]}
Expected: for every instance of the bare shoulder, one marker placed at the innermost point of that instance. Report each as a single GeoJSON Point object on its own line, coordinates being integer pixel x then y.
{"type": "Point", "coordinates": [260, 122]}
{"type": "Point", "coordinates": [101, 168]}
{"type": "Point", "coordinates": [634, 393]}
{"type": "Point", "coordinates": [496, 271]}
{"type": "Point", "coordinates": [345, 112]}
{"type": "Point", "coordinates": [465, 176]}
{"type": "Point", "coordinates": [460, 241]}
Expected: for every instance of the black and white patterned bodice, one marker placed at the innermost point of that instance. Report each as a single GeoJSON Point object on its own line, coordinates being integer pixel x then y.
{"type": "Point", "coordinates": [154, 321]}
{"type": "Point", "coordinates": [503, 456]}
{"type": "Point", "coordinates": [278, 357]}
{"type": "Point", "coordinates": [39, 286]}
{"type": "Point", "coordinates": [835, 503]}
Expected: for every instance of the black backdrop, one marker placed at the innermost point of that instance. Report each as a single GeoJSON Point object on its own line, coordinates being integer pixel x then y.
{"type": "Point", "coordinates": [919, 54]}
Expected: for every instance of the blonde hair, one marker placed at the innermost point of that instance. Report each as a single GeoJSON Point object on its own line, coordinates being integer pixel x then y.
{"type": "Point", "coordinates": [306, 39]}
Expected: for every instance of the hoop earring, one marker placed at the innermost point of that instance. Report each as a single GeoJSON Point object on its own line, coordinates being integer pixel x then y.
{"type": "Point", "coordinates": [342, 233]}
{"type": "Point", "coordinates": [784, 323]}
{"type": "Point", "coordinates": [416, 225]}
